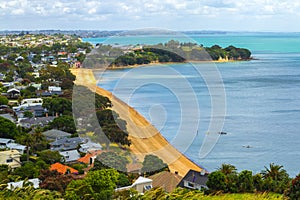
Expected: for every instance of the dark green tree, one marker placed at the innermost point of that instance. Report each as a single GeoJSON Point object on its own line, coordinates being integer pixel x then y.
{"type": "Point", "coordinates": [8, 129]}
{"type": "Point", "coordinates": [64, 123]}
{"type": "Point", "coordinates": [293, 191]}
{"type": "Point", "coordinates": [111, 160]}
{"type": "Point", "coordinates": [98, 184]}
{"type": "Point", "coordinates": [153, 164]}
{"type": "Point", "coordinates": [216, 181]}
{"type": "Point", "coordinates": [245, 181]}
{"type": "Point", "coordinates": [3, 100]}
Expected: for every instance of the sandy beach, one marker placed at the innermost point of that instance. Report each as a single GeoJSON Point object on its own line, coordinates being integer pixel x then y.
{"type": "Point", "coordinates": [145, 138]}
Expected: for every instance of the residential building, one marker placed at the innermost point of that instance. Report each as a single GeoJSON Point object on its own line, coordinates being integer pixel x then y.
{"type": "Point", "coordinates": [10, 158]}
{"type": "Point", "coordinates": [13, 93]}
{"type": "Point", "coordinates": [63, 169]}
{"type": "Point", "coordinates": [55, 134]}
{"type": "Point", "coordinates": [166, 180]}
{"type": "Point", "coordinates": [35, 121]}
{"type": "Point", "coordinates": [20, 184]}
{"type": "Point", "coordinates": [70, 156]}
{"type": "Point", "coordinates": [194, 180]}
{"type": "Point", "coordinates": [89, 146]}
{"type": "Point", "coordinates": [66, 144]}
{"type": "Point", "coordinates": [141, 185]}
{"type": "Point", "coordinates": [11, 145]}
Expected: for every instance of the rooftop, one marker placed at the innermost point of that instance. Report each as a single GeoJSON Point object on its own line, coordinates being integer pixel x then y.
{"type": "Point", "coordinates": [62, 168]}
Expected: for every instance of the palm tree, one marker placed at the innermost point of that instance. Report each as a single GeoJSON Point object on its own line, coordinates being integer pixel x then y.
{"type": "Point", "coordinates": [275, 172]}
{"type": "Point", "coordinates": [227, 169]}
{"type": "Point", "coordinates": [28, 141]}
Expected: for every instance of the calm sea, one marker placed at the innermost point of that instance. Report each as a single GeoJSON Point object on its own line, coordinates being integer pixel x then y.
{"type": "Point", "coordinates": [262, 100]}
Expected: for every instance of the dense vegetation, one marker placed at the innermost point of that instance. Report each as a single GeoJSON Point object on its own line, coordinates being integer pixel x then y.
{"type": "Point", "coordinates": [172, 51]}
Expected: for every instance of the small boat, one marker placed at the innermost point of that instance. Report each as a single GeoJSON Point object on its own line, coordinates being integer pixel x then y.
{"type": "Point", "coordinates": [247, 146]}
{"type": "Point", "coordinates": [222, 133]}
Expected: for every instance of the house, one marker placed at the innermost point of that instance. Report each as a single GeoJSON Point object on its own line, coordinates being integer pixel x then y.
{"type": "Point", "coordinates": [66, 144]}
{"type": "Point", "coordinates": [141, 185]}
{"type": "Point", "coordinates": [90, 146]}
{"type": "Point", "coordinates": [63, 169]}
{"type": "Point", "coordinates": [166, 180]}
{"type": "Point", "coordinates": [13, 93]}
{"type": "Point", "coordinates": [194, 180]}
{"type": "Point", "coordinates": [7, 115]}
{"type": "Point", "coordinates": [37, 110]}
{"type": "Point", "coordinates": [4, 142]}
{"type": "Point", "coordinates": [54, 89]}
{"type": "Point", "coordinates": [10, 158]}
{"type": "Point", "coordinates": [16, 146]}
{"type": "Point", "coordinates": [35, 121]}
{"type": "Point", "coordinates": [90, 157]}
{"type": "Point", "coordinates": [25, 103]}
{"type": "Point", "coordinates": [10, 144]}
{"type": "Point", "coordinates": [20, 184]}
{"type": "Point", "coordinates": [70, 156]}
{"type": "Point", "coordinates": [55, 134]}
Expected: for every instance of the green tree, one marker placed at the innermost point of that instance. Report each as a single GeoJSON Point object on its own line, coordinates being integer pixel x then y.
{"type": "Point", "coordinates": [64, 123]}
{"type": "Point", "coordinates": [275, 178]}
{"type": "Point", "coordinates": [58, 105]}
{"type": "Point", "coordinates": [28, 114]}
{"type": "Point", "coordinates": [216, 181]}
{"type": "Point", "coordinates": [27, 140]}
{"type": "Point", "coordinates": [27, 170]}
{"type": "Point", "coordinates": [8, 129]}
{"type": "Point", "coordinates": [293, 191]}
{"type": "Point", "coordinates": [111, 160]}
{"type": "Point", "coordinates": [153, 164]}
{"type": "Point", "coordinates": [98, 184]}
{"type": "Point", "coordinates": [50, 157]}
{"type": "Point", "coordinates": [3, 100]}
{"type": "Point", "coordinates": [245, 181]}
{"type": "Point", "coordinates": [227, 169]}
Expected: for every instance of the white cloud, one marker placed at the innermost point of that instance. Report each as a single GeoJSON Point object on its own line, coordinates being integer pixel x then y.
{"type": "Point", "coordinates": [167, 14]}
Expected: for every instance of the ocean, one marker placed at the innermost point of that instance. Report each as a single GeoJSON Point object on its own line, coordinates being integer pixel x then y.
{"type": "Point", "coordinates": [262, 99]}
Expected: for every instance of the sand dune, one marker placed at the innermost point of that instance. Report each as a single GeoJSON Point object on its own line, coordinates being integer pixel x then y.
{"type": "Point", "coordinates": [145, 138]}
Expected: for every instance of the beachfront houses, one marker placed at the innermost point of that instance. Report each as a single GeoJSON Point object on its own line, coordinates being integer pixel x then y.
{"type": "Point", "coordinates": [194, 180]}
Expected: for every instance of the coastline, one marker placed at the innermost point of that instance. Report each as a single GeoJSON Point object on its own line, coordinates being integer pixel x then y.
{"type": "Point", "coordinates": [145, 138]}
{"type": "Point", "coordinates": [170, 63]}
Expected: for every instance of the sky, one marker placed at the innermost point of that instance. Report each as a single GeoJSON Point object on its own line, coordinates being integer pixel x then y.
{"type": "Point", "coordinates": [178, 15]}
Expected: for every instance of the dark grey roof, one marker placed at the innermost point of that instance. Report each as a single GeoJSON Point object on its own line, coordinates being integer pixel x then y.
{"type": "Point", "coordinates": [194, 177]}
{"type": "Point", "coordinates": [65, 144]}
{"type": "Point", "coordinates": [54, 133]}
{"type": "Point", "coordinates": [37, 121]}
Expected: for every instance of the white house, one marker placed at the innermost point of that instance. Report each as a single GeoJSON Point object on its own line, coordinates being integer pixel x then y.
{"type": "Point", "coordinates": [141, 185]}
{"type": "Point", "coordinates": [10, 158]}
{"type": "Point", "coordinates": [20, 184]}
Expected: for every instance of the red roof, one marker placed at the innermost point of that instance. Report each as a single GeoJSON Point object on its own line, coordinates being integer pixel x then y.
{"type": "Point", "coordinates": [86, 159]}
{"type": "Point", "coordinates": [62, 168]}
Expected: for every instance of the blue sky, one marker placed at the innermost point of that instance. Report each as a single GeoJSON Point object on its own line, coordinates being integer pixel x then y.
{"type": "Point", "coordinates": [228, 15]}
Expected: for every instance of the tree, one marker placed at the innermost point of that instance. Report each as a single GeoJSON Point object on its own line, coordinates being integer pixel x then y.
{"type": "Point", "coordinates": [58, 105]}
{"type": "Point", "coordinates": [245, 181]}
{"type": "Point", "coordinates": [53, 180]}
{"type": "Point", "coordinates": [216, 181]}
{"type": "Point", "coordinates": [8, 129]}
{"type": "Point", "coordinates": [64, 123]}
{"type": "Point", "coordinates": [28, 114]}
{"type": "Point", "coordinates": [111, 160]}
{"type": "Point", "coordinates": [227, 169]}
{"type": "Point", "coordinates": [153, 164]}
{"type": "Point", "coordinates": [3, 100]}
{"type": "Point", "coordinates": [27, 140]}
{"type": "Point", "coordinates": [293, 191]}
{"type": "Point", "coordinates": [275, 178]}
{"type": "Point", "coordinates": [98, 184]}
{"type": "Point", "coordinates": [50, 157]}
{"type": "Point", "coordinates": [27, 170]}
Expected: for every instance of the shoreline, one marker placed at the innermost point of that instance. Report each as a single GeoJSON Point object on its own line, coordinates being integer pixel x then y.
{"type": "Point", "coordinates": [170, 63]}
{"type": "Point", "coordinates": [145, 138]}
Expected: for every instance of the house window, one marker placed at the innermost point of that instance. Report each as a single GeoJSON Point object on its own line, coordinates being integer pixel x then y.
{"type": "Point", "coordinates": [9, 160]}
{"type": "Point", "coordinates": [191, 185]}
{"type": "Point", "coordinates": [148, 187]}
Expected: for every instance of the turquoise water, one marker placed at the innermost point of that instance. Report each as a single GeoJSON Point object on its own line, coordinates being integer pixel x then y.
{"type": "Point", "coordinates": [262, 100]}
